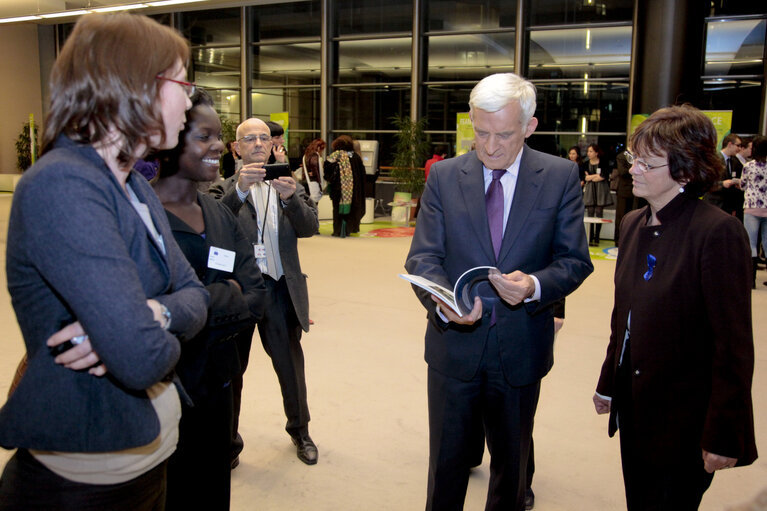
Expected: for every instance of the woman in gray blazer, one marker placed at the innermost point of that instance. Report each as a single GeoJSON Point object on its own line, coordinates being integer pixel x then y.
{"type": "Point", "coordinates": [90, 250]}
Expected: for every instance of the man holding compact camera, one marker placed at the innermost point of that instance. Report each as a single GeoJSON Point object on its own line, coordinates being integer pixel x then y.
{"type": "Point", "coordinates": [274, 213]}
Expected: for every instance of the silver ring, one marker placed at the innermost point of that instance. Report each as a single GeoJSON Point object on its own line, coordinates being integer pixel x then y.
{"type": "Point", "coordinates": [78, 339]}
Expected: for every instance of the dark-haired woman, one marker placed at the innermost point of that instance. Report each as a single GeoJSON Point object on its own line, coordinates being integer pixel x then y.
{"type": "Point", "coordinates": [90, 249]}
{"type": "Point", "coordinates": [754, 183]}
{"type": "Point", "coordinates": [596, 191]}
{"type": "Point", "coordinates": [345, 177]}
{"type": "Point", "coordinates": [210, 237]}
{"type": "Point", "coordinates": [676, 380]}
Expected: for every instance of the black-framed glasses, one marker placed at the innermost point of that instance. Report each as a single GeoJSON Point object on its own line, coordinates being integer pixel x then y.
{"type": "Point", "coordinates": [643, 165]}
{"type": "Point", "coordinates": [251, 139]}
{"type": "Point", "coordinates": [189, 87]}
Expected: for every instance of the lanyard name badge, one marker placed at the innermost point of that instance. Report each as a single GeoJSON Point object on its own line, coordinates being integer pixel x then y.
{"type": "Point", "coordinates": [259, 249]}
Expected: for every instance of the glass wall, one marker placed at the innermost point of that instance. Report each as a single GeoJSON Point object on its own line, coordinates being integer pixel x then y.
{"type": "Point", "coordinates": [733, 69]}
{"type": "Point", "coordinates": [577, 52]}
{"type": "Point", "coordinates": [215, 38]}
{"type": "Point", "coordinates": [286, 68]}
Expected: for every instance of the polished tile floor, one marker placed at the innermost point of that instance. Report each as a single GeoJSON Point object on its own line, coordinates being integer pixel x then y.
{"type": "Point", "coordinates": [367, 394]}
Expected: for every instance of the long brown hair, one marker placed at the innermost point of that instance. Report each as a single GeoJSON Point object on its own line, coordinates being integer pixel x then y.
{"type": "Point", "coordinates": [105, 77]}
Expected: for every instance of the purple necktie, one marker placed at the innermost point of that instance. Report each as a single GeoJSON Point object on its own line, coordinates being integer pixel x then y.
{"type": "Point", "coordinates": [494, 206]}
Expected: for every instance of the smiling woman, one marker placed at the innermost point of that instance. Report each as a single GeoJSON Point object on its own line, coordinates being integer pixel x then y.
{"type": "Point", "coordinates": [210, 237]}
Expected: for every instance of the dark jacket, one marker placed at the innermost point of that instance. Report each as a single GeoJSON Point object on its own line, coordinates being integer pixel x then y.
{"type": "Point", "coordinates": [544, 236]}
{"type": "Point", "coordinates": [692, 351]}
{"type": "Point", "coordinates": [297, 219]}
{"type": "Point", "coordinates": [210, 360]}
{"type": "Point", "coordinates": [77, 249]}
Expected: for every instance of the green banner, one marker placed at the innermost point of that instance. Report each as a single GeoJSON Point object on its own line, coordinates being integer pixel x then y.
{"type": "Point", "coordinates": [464, 133]}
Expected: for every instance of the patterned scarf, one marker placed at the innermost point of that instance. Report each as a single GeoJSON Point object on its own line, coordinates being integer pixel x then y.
{"type": "Point", "coordinates": [347, 180]}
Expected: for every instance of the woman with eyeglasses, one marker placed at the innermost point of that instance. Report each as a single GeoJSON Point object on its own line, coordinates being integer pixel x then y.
{"type": "Point", "coordinates": [676, 380]}
{"type": "Point", "coordinates": [210, 237]}
{"type": "Point", "coordinates": [101, 291]}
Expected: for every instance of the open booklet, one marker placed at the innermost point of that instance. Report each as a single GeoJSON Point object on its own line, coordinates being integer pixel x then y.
{"type": "Point", "coordinates": [461, 298]}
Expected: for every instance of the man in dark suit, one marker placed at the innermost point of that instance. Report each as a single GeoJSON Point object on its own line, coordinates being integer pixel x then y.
{"type": "Point", "coordinates": [624, 194]}
{"type": "Point", "coordinates": [727, 194]}
{"type": "Point", "coordinates": [508, 206]}
{"type": "Point", "coordinates": [290, 214]}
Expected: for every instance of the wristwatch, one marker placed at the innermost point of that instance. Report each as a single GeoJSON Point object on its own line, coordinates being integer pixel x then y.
{"type": "Point", "coordinates": [165, 314]}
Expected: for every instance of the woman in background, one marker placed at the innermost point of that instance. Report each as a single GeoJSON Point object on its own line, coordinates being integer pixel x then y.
{"type": "Point", "coordinates": [212, 241]}
{"type": "Point", "coordinates": [677, 376]}
{"type": "Point", "coordinates": [596, 191]}
{"type": "Point", "coordinates": [753, 181]}
{"type": "Point", "coordinates": [312, 165]}
{"type": "Point", "coordinates": [345, 176]}
{"type": "Point", "coordinates": [90, 249]}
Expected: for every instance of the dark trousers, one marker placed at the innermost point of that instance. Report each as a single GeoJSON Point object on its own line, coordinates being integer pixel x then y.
{"type": "Point", "coordinates": [199, 472]}
{"type": "Point", "coordinates": [654, 482]}
{"type": "Point", "coordinates": [507, 414]}
{"type": "Point", "coordinates": [244, 341]}
{"type": "Point", "coordinates": [280, 334]}
{"type": "Point", "coordinates": [595, 229]}
{"type": "Point", "coordinates": [27, 485]}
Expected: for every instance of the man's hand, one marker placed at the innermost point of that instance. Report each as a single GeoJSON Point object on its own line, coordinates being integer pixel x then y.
{"type": "Point", "coordinates": [712, 462]}
{"type": "Point", "coordinates": [249, 175]}
{"type": "Point", "coordinates": [513, 287]}
{"type": "Point", "coordinates": [285, 186]}
{"type": "Point", "coordinates": [80, 356]}
{"type": "Point", "coordinates": [466, 319]}
{"type": "Point", "coordinates": [601, 404]}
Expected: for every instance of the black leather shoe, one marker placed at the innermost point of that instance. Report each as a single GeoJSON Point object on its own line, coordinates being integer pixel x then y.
{"type": "Point", "coordinates": [235, 462]}
{"type": "Point", "coordinates": [235, 450]}
{"type": "Point", "coordinates": [305, 448]}
{"type": "Point", "coordinates": [529, 498]}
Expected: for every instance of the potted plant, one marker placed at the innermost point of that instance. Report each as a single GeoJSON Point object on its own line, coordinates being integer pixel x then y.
{"type": "Point", "coordinates": [24, 148]}
{"type": "Point", "coordinates": [411, 149]}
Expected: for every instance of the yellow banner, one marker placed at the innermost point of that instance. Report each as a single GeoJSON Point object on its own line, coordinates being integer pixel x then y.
{"type": "Point", "coordinates": [464, 133]}
{"type": "Point", "coordinates": [281, 118]}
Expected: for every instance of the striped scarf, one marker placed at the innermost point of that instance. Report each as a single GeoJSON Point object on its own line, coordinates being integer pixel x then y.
{"type": "Point", "coordinates": [346, 178]}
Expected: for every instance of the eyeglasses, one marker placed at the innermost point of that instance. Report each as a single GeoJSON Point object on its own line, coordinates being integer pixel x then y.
{"type": "Point", "coordinates": [251, 139]}
{"type": "Point", "coordinates": [643, 165]}
{"type": "Point", "coordinates": [189, 87]}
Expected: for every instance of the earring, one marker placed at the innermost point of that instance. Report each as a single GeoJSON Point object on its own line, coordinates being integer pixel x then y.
{"type": "Point", "coordinates": [681, 189]}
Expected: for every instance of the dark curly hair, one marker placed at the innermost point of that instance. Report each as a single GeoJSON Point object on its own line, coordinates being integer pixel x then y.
{"type": "Point", "coordinates": [343, 143]}
{"type": "Point", "coordinates": [169, 157]}
{"type": "Point", "coordinates": [688, 138]}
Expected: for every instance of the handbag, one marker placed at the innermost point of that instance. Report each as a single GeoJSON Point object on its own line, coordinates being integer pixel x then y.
{"type": "Point", "coordinates": [315, 191]}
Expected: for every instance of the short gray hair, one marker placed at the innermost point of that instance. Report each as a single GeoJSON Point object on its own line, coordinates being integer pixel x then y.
{"type": "Point", "coordinates": [496, 91]}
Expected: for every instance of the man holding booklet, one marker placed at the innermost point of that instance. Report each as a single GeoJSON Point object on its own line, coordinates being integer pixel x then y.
{"type": "Point", "coordinates": [518, 210]}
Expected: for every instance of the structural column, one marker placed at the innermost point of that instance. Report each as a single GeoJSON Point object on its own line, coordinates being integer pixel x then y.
{"type": "Point", "coordinates": [669, 53]}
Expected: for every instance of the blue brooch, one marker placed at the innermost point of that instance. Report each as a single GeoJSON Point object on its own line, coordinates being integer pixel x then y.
{"type": "Point", "coordinates": [650, 266]}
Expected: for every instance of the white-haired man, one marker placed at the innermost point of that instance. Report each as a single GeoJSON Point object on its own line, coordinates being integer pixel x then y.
{"type": "Point", "coordinates": [519, 210]}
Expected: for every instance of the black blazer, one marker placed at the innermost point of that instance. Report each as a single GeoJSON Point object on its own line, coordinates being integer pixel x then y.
{"type": "Point", "coordinates": [210, 359]}
{"type": "Point", "coordinates": [692, 351]}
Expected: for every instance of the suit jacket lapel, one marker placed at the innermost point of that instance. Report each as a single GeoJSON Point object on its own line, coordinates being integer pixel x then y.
{"type": "Point", "coordinates": [526, 192]}
{"type": "Point", "coordinates": [471, 182]}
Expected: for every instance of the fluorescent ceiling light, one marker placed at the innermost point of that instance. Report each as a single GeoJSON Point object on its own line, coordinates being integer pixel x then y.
{"type": "Point", "coordinates": [120, 8]}
{"type": "Point", "coordinates": [19, 19]}
{"type": "Point", "coordinates": [65, 13]}
{"type": "Point", "coordinates": [170, 2]}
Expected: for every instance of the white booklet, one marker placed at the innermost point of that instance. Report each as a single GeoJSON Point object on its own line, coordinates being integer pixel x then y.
{"type": "Point", "coordinates": [461, 298]}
